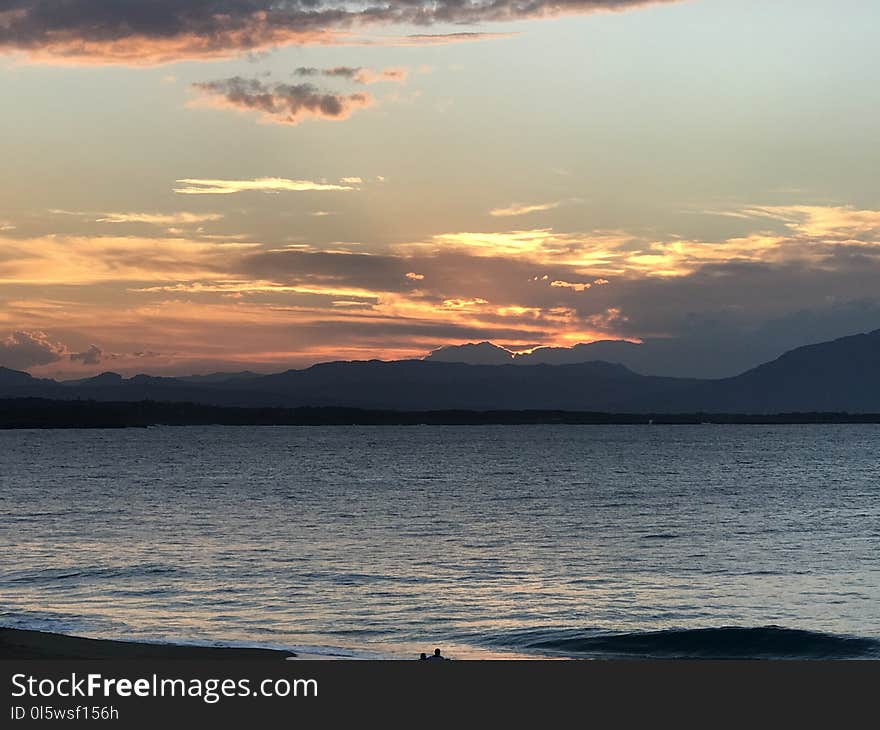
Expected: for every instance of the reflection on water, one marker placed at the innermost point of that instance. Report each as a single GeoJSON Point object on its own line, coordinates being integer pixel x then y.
{"type": "Point", "coordinates": [389, 540]}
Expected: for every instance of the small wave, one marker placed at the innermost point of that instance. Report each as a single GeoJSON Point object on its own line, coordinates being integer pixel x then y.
{"type": "Point", "coordinates": [59, 623]}
{"type": "Point", "coordinates": [56, 575]}
{"type": "Point", "coordinates": [329, 652]}
{"type": "Point", "coordinates": [728, 642]}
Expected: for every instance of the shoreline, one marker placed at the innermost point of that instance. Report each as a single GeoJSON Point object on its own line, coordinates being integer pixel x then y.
{"type": "Point", "coordinates": [29, 644]}
{"type": "Point", "coordinates": [36, 413]}
{"type": "Point", "coordinates": [46, 645]}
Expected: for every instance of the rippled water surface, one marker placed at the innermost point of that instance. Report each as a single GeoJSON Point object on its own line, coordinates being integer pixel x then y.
{"type": "Point", "coordinates": [384, 541]}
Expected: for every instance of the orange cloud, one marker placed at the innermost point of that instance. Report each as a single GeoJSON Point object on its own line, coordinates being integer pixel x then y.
{"type": "Point", "coordinates": [599, 252]}
{"type": "Point", "coordinates": [262, 287]}
{"type": "Point", "coordinates": [837, 222]}
{"type": "Point", "coordinates": [575, 286]}
{"type": "Point", "coordinates": [66, 260]}
{"type": "Point", "coordinates": [814, 235]}
{"type": "Point", "coordinates": [466, 304]}
{"type": "Point", "coordinates": [143, 50]}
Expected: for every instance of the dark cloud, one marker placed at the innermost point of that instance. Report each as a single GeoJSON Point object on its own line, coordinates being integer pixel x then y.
{"type": "Point", "coordinates": [379, 273]}
{"type": "Point", "coordinates": [716, 321]}
{"type": "Point", "coordinates": [345, 72]}
{"type": "Point", "coordinates": [159, 31]}
{"type": "Point", "coordinates": [92, 356]}
{"type": "Point", "coordinates": [282, 103]}
{"type": "Point", "coordinates": [404, 332]}
{"type": "Point", "coordinates": [725, 318]}
{"type": "Point", "coordinates": [357, 74]}
{"type": "Point", "coordinates": [25, 349]}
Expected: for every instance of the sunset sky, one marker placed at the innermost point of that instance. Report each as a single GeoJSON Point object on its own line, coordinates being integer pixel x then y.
{"type": "Point", "coordinates": [200, 185]}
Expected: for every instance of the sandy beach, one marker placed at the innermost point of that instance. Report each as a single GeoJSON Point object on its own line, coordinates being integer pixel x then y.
{"type": "Point", "coordinates": [21, 644]}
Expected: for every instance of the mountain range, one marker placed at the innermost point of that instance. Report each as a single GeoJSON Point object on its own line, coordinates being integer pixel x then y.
{"type": "Point", "coordinates": [838, 376]}
{"type": "Point", "coordinates": [486, 353]}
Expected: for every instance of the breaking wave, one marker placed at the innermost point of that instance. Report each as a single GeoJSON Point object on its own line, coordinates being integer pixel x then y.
{"type": "Point", "coordinates": [728, 642]}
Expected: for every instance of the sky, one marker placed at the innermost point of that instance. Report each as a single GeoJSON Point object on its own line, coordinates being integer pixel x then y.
{"type": "Point", "coordinates": [200, 185]}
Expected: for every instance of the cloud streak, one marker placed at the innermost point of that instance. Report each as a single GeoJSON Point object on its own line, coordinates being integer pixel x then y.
{"type": "Point", "coordinates": [161, 31]}
{"type": "Point", "coordinates": [574, 286]}
{"type": "Point", "coordinates": [281, 103]}
{"type": "Point", "coordinates": [442, 39]}
{"type": "Point", "coordinates": [515, 209]}
{"type": "Point", "coordinates": [357, 74]}
{"type": "Point", "coordinates": [78, 260]}
{"type": "Point", "coordinates": [92, 356]}
{"type": "Point", "coordinates": [200, 186]}
{"type": "Point", "coordinates": [838, 222]}
{"type": "Point", "coordinates": [160, 219]}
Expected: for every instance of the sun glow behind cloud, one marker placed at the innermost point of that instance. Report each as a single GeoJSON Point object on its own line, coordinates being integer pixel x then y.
{"type": "Point", "coordinates": [546, 287]}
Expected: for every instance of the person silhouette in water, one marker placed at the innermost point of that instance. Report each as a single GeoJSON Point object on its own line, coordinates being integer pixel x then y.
{"type": "Point", "coordinates": [423, 656]}
{"type": "Point", "coordinates": [437, 655]}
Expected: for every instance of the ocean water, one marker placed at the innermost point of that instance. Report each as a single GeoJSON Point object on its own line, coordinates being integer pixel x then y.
{"type": "Point", "coordinates": [545, 541]}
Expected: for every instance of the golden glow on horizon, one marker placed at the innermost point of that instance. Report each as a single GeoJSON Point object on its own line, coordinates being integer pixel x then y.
{"type": "Point", "coordinates": [180, 289]}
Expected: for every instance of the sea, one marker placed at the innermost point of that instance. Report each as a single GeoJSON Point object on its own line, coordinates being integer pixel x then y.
{"type": "Point", "coordinates": [492, 542]}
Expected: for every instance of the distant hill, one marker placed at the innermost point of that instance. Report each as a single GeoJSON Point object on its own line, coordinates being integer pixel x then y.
{"type": "Point", "coordinates": [219, 377]}
{"type": "Point", "coordinates": [838, 376]}
{"type": "Point", "coordinates": [98, 380]}
{"type": "Point", "coordinates": [15, 378]}
{"type": "Point", "coordinates": [423, 385]}
{"type": "Point", "coordinates": [842, 375]}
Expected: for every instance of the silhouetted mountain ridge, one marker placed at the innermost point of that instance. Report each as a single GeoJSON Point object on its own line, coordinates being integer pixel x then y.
{"type": "Point", "coordinates": [842, 374]}
{"type": "Point", "coordinates": [838, 376]}
{"type": "Point", "coordinates": [624, 352]}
